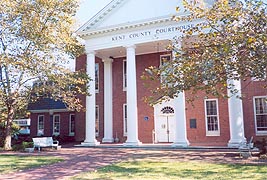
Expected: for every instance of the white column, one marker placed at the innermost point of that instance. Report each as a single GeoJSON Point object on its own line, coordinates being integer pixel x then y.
{"type": "Point", "coordinates": [108, 114]}
{"type": "Point", "coordinates": [180, 114]}
{"type": "Point", "coordinates": [90, 139]}
{"type": "Point", "coordinates": [235, 109]}
{"type": "Point", "coordinates": [180, 118]}
{"type": "Point", "coordinates": [131, 96]}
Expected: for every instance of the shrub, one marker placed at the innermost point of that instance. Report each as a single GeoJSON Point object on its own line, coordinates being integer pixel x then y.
{"type": "Point", "coordinates": [27, 144]}
{"type": "Point", "coordinates": [22, 146]}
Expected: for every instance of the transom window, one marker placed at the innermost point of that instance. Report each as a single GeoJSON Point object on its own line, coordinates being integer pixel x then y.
{"type": "Point", "coordinates": [56, 124]}
{"type": "Point", "coordinates": [167, 110]}
{"type": "Point", "coordinates": [40, 125]}
{"type": "Point", "coordinates": [212, 117]}
{"type": "Point", "coordinates": [260, 111]}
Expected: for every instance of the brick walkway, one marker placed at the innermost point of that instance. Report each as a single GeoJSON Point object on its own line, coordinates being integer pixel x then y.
{"type": "Point", "coordinates": [77, 160]}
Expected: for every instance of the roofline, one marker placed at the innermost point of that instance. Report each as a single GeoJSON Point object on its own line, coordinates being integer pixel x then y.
{"type": "Point", "coordinates": [51, 110]}
{"type": "Point", "coordinates": [100, 15]}
{"type": "Point", "coordinates": [136, 24]}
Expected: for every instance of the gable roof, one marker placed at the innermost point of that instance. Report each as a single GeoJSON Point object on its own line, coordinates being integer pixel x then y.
{"type": "Point", "coordinates": [46, 104]}
{"type": "Point", "coordinates": [126, 14]}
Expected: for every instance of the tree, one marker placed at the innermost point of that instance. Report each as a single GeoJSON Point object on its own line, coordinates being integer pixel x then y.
{"type": "Point", "coordinates": [230, 43]}
{"type": "Point", "coordinates": [36, 40]}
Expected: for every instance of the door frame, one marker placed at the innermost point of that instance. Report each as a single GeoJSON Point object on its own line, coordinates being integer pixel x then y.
{"type": "Point", "coordinates": [158, 115]}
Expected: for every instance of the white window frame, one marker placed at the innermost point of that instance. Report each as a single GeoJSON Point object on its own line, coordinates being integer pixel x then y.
{"type": "Point", "coordinates": [54, 117]}
{"type": "Point", "coordinates": [125, 128]}
{"type": "Point", "coordinates": [258, 133]}
{"type": "Point", "coordinates": [96, 77]}
{"type": "Point", "coordinates": [124, 75]}
{"type": "Point", "coordinates": [39, 131]}
{"type": "Point", "coordinates": [166, 56]}
{"type": "Point", "coordinates": [71, 133]}
{"type": "Point", "coordinates": [212, 133]}
{"type": "Point", "coordinates": [97, 120]}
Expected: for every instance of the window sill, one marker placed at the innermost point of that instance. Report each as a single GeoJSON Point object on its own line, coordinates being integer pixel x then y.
{"type": "Point", "coordinates": [261, 133]}
{"type": "Point", "coordinates": [213, 134]}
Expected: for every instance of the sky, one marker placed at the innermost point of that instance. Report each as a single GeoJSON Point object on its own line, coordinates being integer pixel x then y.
{"type": "Point", "coordinates": [88, 8]}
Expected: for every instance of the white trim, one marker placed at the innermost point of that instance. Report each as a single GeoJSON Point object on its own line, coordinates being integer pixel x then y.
{"type": "Point", "coordinates": [124, 75]}
{"type": "Point", "coordinates": [71, 133]}
{"type": "Point", "coordinates": [166, 19]}
{"type": "Point", "coordinates": [124, 119]}
{"type": "Point", "coordinates": [97, 77]}
{"type": "Point", "coordinates": [100, 15]}
{"type": "Point", "coordinates": [97, 120]}
{"type": "Point", "coordinates": [212, 133]}
{"type": "Point", "coordinates": [258, 133]}
{"type": "Point", "coordinates": [49, 110]}
{"type": "Point", "coordinates": [40, 134]}
{"type": "Point", "coordinates": [56, 133]}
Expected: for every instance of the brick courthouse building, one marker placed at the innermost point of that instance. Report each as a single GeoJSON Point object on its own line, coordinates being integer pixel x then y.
{"type": "Point", "coordinates": [121, 41]}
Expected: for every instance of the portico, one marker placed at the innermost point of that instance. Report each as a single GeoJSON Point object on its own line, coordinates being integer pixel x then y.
{"type": "Point", "coordinates": [114, 38]}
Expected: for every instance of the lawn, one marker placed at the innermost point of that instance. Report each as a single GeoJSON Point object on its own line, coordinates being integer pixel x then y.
{"type": "Point", "coordinates": [12, 163]}
{"type": "Point", "coordinates": [147, 169]}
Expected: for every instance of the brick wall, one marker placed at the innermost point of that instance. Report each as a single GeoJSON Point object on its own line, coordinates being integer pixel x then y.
{"type": "Point", "coordinates": [100, 99]}
{"type": "Point", "coordinates": [119, 98]}
{"type": "Point", "coordinates": [249, 90]}
{"type": "Point", "coordinates": [80, 116]}
{"type": "Point", "coordinates": [48, 123]}
{"type": "Point", "coordinates": [197, 136]}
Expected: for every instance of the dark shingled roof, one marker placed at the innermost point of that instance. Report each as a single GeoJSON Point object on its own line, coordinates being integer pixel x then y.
{"type": "Point", "coordinates": [46, 103]}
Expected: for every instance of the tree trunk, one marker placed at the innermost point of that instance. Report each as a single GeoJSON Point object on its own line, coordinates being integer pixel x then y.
{"type": "Point", "coordinates": [8, 129]}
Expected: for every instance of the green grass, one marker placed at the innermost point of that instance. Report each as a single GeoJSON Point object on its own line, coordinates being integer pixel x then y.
{"type": "Point", "coordinates": [147, 169]}
{"type": "Point", "coordinates": [12, 163]}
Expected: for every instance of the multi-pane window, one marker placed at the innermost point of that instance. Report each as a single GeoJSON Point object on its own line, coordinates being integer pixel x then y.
{"type": "Point", "coordinates": [260, 111]}
{"type": "Point", "coordinates": [40, 125]}
{"type": "Point", "coordinates": [125, 130]}
{"type": "Point", "coordinates": [164, 58]}
{"type": "Point", "coordinates": [56, 125]}
{"type": "Point", "coordinates": [97, 77]}
{"type": "Point", "coordinates": [124, 75]}
{"type": "Point", "coordinates": [96, 120]}
{"type": "Point", "coordinates": [212, 117]}
{"type": "Point", "coordinates": [72, 124]}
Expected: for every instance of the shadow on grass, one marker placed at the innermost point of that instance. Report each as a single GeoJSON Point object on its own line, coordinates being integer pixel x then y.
{"type": "Point", "coordinates": [12, 163]}
{"type": "Point", "coordinates": [176, 170]}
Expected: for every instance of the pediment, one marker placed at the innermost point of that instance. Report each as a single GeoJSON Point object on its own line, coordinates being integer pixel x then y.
{"type": "Point", "coordinates": [121, 13]}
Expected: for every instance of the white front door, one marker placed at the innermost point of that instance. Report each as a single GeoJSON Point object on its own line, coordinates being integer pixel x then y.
{"type": "Point", "coordinates": [165, 128]}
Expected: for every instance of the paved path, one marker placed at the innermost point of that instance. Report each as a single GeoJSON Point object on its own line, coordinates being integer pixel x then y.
{"type": "Point", "coordinates": [79, 160]}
